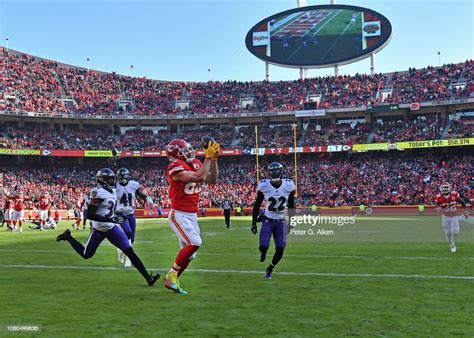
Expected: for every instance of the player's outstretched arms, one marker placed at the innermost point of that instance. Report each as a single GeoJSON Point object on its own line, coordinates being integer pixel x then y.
{"type": "Point", "coordinates": [213, 173]}
{"type": "Point", "coordinates": [256, 211]}
{"type": "Point", "coordinates": [189, 176]}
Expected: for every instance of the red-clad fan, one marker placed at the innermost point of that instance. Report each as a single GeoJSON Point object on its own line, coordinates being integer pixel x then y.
{"type": "Point", "coordinates": [447, 201]}
{"type": "Point", "coordinates": [44, 204]}
{"type": "Point", "coordinates": [185, 176]}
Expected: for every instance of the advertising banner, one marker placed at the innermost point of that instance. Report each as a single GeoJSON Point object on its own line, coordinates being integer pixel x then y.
{"type": "Point", "coordinates": [310, 113]}
{"type": "Point", "coordinates": [436, 143]}
{"type": "Point", "coordinates": [97, 153]}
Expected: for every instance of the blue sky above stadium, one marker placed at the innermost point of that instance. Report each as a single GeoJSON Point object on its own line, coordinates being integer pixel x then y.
{"type": "Point", "coordinates": [181, 40]}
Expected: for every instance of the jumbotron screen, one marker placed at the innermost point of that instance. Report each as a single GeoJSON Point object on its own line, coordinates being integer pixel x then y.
{"type": "Point", "coordinates": [319, 35]}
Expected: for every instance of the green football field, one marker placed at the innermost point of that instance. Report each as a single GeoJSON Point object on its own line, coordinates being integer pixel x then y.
{"type": "Point", "coordinates": [403, 284]}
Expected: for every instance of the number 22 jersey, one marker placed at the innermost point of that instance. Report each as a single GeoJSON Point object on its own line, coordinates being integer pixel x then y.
{"type": "Point", "coordinates": [184, 196]}
{"type": "Point", "coordinates": [276, 198]}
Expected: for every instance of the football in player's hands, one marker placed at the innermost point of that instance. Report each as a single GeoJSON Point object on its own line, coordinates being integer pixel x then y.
{"type": "Point", "coordinates": [205, 141]}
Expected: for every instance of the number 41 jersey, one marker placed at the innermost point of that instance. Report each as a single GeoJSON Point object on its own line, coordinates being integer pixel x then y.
{"type": "Point", "coordinates": [106, 208]}
{"type": "Point", "coordinates": [183, 196]}
{"type": "Point", "coordinates": [126, 195]}
{"type": "Point", "coordinates": [276, 198]}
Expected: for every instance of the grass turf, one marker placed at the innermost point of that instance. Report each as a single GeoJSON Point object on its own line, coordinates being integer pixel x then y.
{"type": "Point", "coordinates": [349, 286]}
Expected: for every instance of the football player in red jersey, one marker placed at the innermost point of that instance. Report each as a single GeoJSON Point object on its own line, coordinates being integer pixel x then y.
{"type": "Point", "coordinates": [19, 200]}
{"type": "Point", "coordinates": [185, 175]}
{"type": "Point", "coordinates": [447, 202]}
{"type": "Point", "coordinates": [44, 204]}
{"type": "Point", "coordinates": [8, 212]}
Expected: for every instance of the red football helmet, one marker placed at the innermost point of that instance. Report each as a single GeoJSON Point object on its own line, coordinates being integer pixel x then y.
{"type": "Point", "coordinates": [179, 149]}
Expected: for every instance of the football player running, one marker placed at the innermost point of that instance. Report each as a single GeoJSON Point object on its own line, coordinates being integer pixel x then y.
{"type": "Point", "coordinates": [185, 175]}
{"type": "Point", "coordinates": [101, 212]}
{"type": "Point", "coordinates": [127, 190]}
{"type": "Point", "coordinates": [447, 202]}
{"type": "Point", "coordinates": [277, 193]}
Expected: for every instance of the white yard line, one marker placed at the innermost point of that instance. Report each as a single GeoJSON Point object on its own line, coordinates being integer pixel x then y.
{"type": "Point", "coordinates": [253, 272]}
{"type": "Point", "coordinates": [335, 42]}
{"type": "Point", "coordinates": [256, 255]}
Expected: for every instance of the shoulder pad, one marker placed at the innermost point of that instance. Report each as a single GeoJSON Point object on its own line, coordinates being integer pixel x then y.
{"type": "Point", "coordinates": [94, 193]}
{"type": "Point", "coordinates": [176, 167]}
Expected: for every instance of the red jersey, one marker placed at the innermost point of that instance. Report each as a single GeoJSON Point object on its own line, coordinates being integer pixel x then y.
{"type": "Point", "coordinates": [44, 203]}
{"type": "Point", "coordinates": [57, 217]}
{"type": "Point", "coordinates": [184, 196]}
{"type": "Point", "coordinates": [448, 203]}
{"type": "Point", "coordinates": [7, 204]}
{"type": "Point", "coordinates": [19, 202]}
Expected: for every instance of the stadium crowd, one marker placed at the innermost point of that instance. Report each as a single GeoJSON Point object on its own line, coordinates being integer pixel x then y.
{"type": "Point", "coordinates": [39, 85]}
{"type": "Point", "coordinates": [396, 128]}
{"type": "Point", "coordinates": [384, 180]}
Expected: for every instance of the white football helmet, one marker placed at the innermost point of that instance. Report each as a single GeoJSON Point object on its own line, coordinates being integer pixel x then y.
{"type": "Point", "coordinates": [445, 188]}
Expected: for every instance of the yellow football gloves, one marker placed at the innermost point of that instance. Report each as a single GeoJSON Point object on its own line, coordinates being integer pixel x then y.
{"type": "Point", "coordinates": [213, 150]}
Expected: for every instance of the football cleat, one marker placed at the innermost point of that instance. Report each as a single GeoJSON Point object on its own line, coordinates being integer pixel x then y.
{"type": "Point", "coordinates": [268, 274]}
{"type": "Point", "coordinates": [172, 283]}
{"type": "Point", "coordinates": [127, 263]}
{"type": "Point", "coordinates": [64, 236]}
{"type": "Point", "coordinates": [120, 256]}
{"type": "Point", "coordinates": [453, 248]}
{"type": "Point", "coordinates": [152, 279]}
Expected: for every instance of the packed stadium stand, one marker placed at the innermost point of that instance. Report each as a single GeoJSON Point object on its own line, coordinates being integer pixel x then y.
{"type": "Point", "coordinates": [38, 85]}
{"type": "Point", "coordinates": [380, 180]}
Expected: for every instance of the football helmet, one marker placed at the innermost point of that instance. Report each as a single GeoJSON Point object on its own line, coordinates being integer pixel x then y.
{"type": "Point", "coordinates": [179, 149]}
{"type": "Point", "coordinates": [123, 176]}
{"type": "Point", "coordinates": [105, 177]}
{"type": "Point", "coordinates": [275, 170]}
{"type": "Point", "coordinates": [445, 188]}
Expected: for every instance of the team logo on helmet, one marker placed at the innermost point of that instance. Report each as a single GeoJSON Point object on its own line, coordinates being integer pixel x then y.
{"type": "Point", "coordinates": [105, 178]}
{"type": "Point", "coordinates": [275, 170]}
{"type": "Point", "coordinates": [123, 176]}
{"type": "Point", "coordinates": [445, 188]}
{"type": "Point", "coordinates": [179, 149]}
